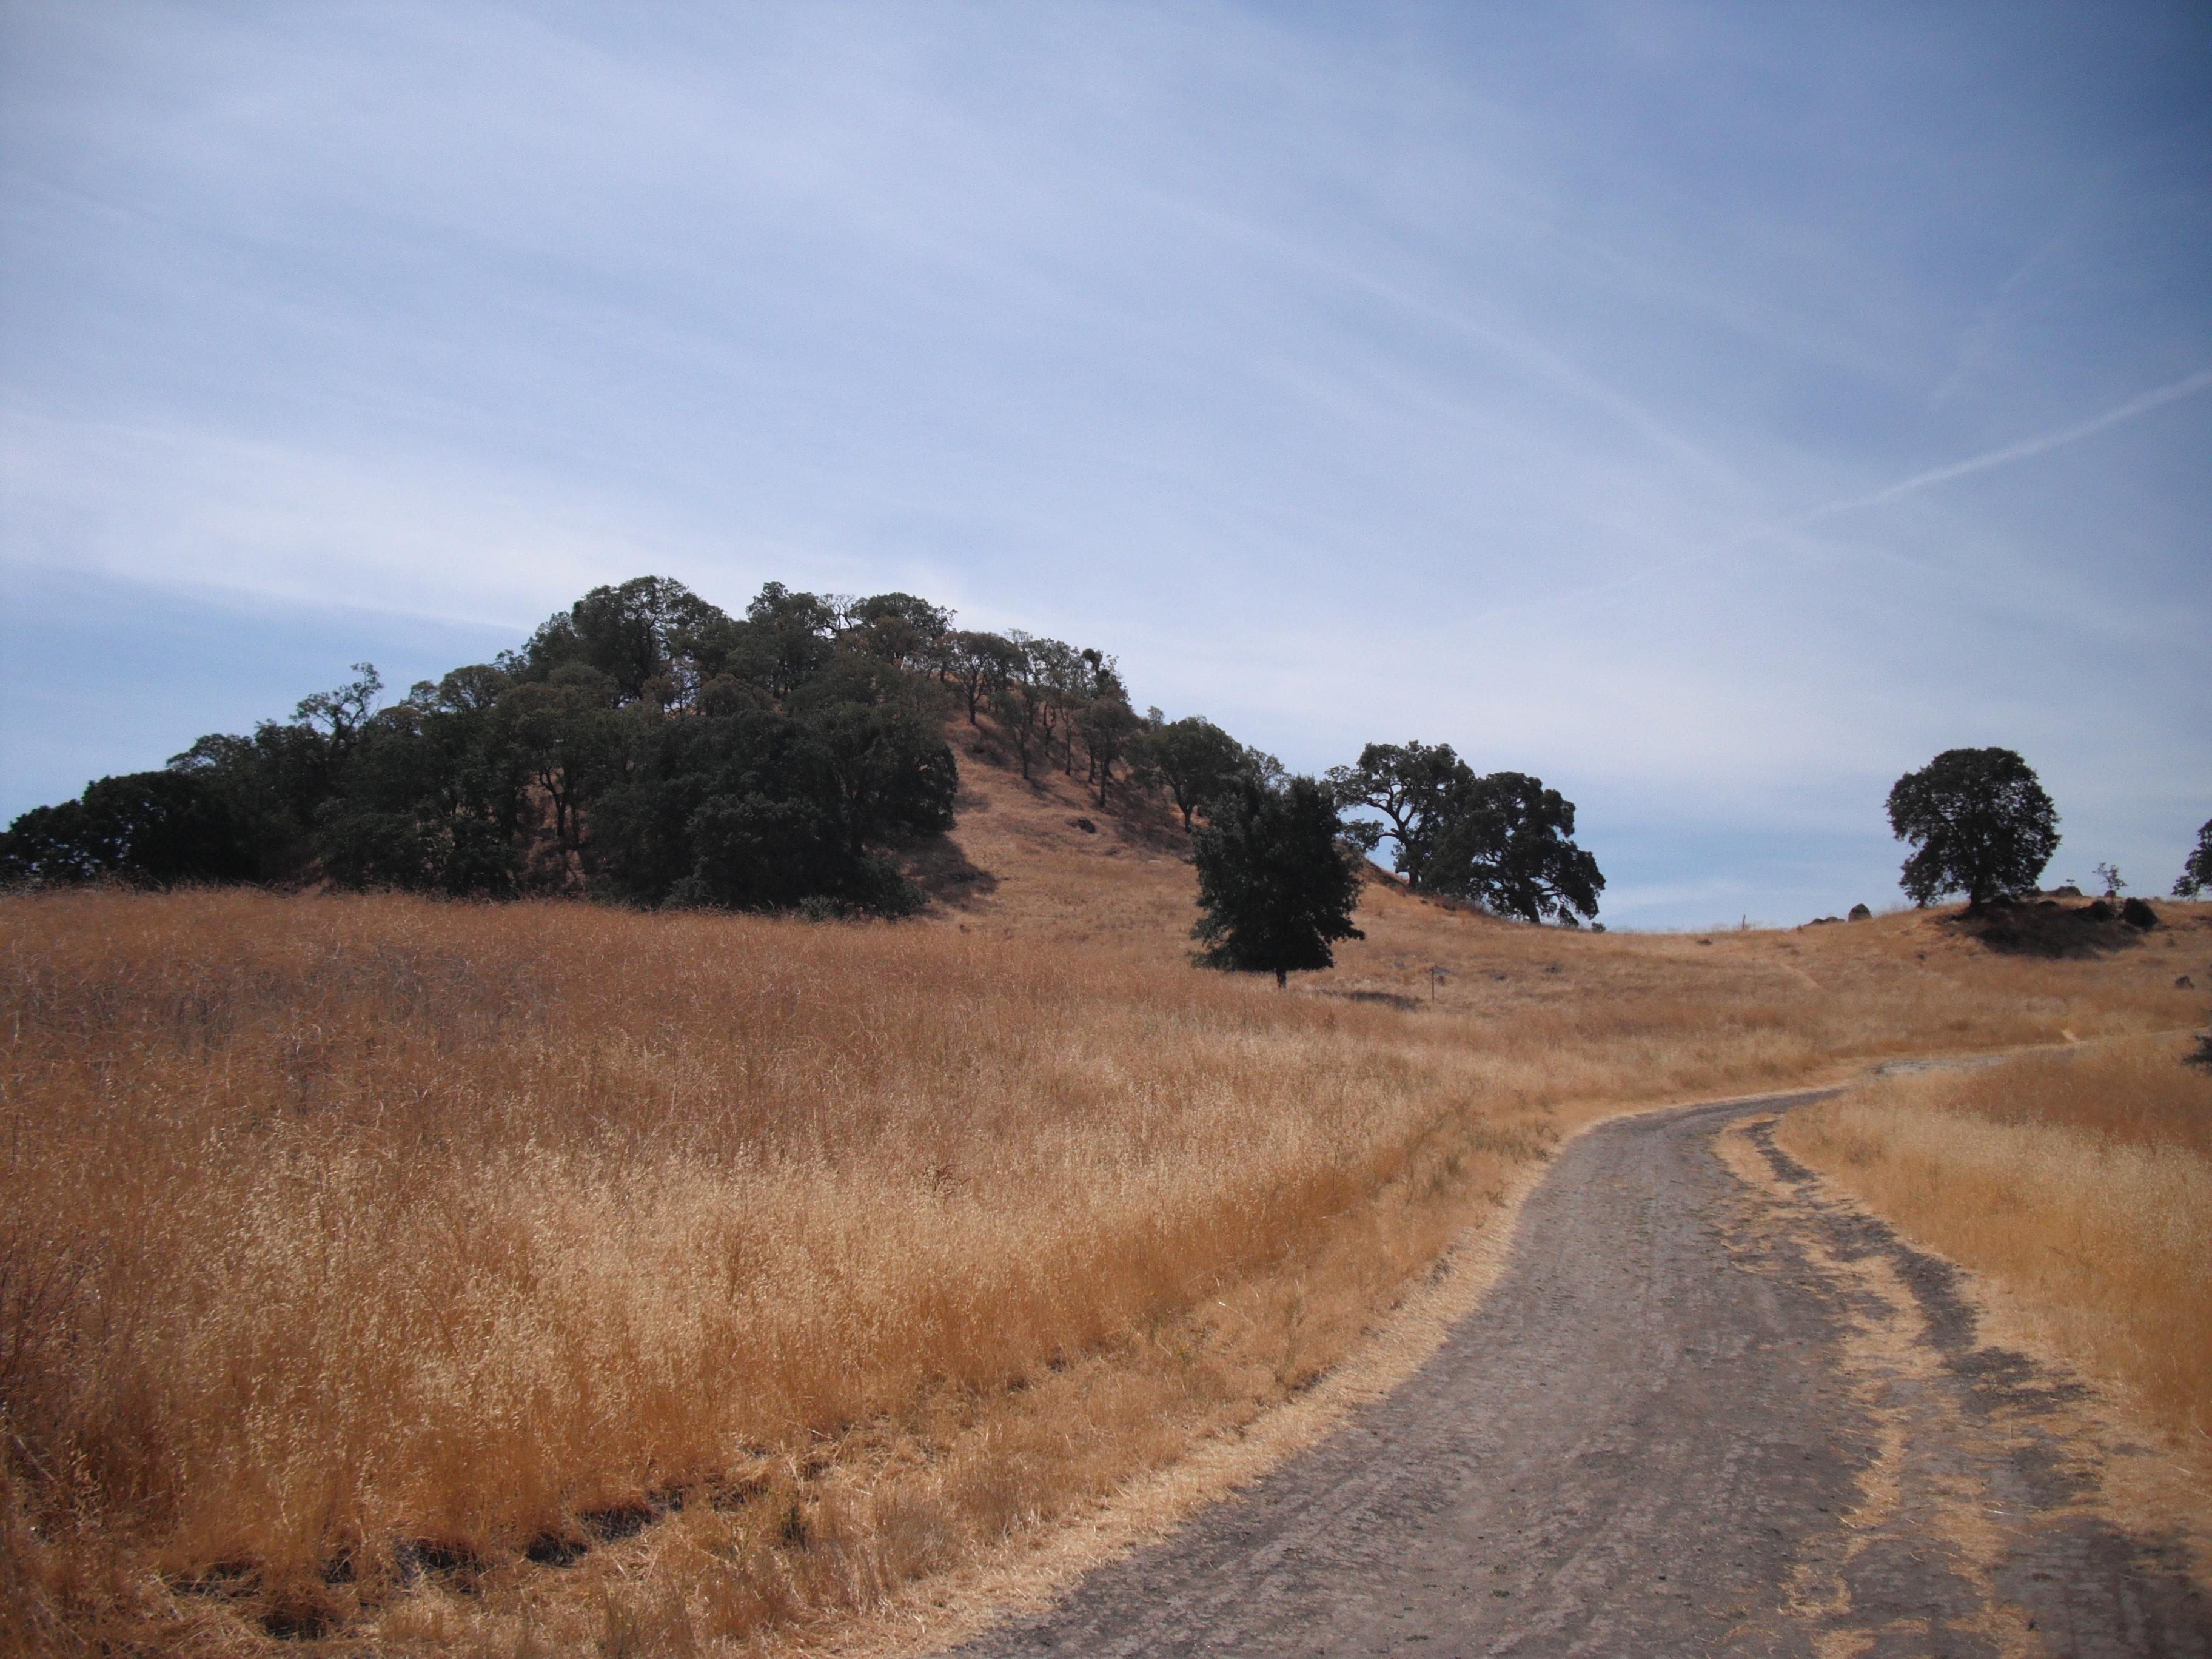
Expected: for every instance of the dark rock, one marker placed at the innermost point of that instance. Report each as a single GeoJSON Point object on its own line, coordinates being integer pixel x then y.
{"type": "Point", "coordinates": [2066, 892]}
{"type": "Point", "coordinates": [2185, 983]}
{"type": "Point", "coordinates": [1860, 912]}
{"type": "Point", "coordinates": [2098, 910]}
{"type": "Point", "coordinates": [2136, 914]}
{"type": "Point", "coordinates": [1084, 826]}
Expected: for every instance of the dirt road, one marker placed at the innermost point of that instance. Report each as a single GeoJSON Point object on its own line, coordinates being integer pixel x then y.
{"type": "Point", "coordinates": [1704, 1412]}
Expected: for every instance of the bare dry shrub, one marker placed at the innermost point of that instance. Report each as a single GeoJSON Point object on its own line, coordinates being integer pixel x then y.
{"type": "Point", "coordinates": [2081, 1182]}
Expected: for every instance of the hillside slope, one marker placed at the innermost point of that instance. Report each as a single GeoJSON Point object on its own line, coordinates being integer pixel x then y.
{"type": "Point", "coordinates": [1019, 866]}
{"type": "Point", "coordinates": [449, 1277]}
{"type": "Point", "coordinates": [1019, 863]}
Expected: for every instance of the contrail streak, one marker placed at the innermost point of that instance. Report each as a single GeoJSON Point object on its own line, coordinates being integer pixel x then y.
{"type": "Point", "coordinates": [2019, 452]}
{"type": "Point", "coordinates": [2188, 386]}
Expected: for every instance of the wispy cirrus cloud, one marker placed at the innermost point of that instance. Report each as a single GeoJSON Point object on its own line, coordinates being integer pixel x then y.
{"type": "Point", "coordinates": [1393, 372]}
{"type": "Point", "coordinates": [2007, 455]}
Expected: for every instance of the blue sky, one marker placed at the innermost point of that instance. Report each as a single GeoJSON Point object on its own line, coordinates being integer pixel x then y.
{"type": "Point", "coordinates": [1716, 411]}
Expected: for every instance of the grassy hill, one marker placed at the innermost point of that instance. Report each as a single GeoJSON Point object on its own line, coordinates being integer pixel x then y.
{"type": "Point", "coordinates": [426, 1277]}
{"type": "Point", "coordinates": [1018, 865]}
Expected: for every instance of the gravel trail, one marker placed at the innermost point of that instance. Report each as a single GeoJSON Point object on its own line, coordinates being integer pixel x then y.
{"type": "Point", "coordinates": [1704, 1412]}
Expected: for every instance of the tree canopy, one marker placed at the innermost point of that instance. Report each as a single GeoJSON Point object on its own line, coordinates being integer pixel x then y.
{"type": "Point", "coordinates": [2197, 868]}
{"type": "Point", "coordinates": [1503, 840]}
{"type": "Point", "coordinates": [642, 744]}
{"type": "Point", "coordinates": [1418, 788]}
{"type": "Point", "coordinates": [156, 828]}
{"type": "Point", "coordinates": [646, 745]}
{"type": "Point", "coordinates": [1194, 759]}
{"type": "Point", "coordinates": [1979, 824]}
{"type": "Point", "coordinates": [1277, 882]}
{"type": "Point", "coordinates": [1507, 845]}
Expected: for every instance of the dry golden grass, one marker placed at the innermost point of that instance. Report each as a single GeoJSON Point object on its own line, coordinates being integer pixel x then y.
{"type": "Point", "coordinates": [1686, 1012]}
{"type": "Point", "coordinates": [352, 1247]}
{"type": "Point", "coordinates": [338, 1227]}
{"type": "Point", "coordinates": [2079, 1184]}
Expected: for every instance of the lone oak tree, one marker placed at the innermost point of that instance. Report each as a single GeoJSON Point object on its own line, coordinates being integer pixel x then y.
{"type": "Point", "coordinates": [1509, 845]}
{"type": "Point", "coordinates": [1275, 880]}
{"type": "Point", "coordinates": [1414, 786]}
{"type": "Point", "coordinates": [1503, 841]}
{"type": "Point", "coordinates": [1979, 824]}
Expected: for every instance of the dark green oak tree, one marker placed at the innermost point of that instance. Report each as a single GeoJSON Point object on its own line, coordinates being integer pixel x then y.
{"type": "Point", "coordinates": [1277, 881]}
{"type": "Point", "coordinates": [1194, 759]}
{"type": "Point", "coordinates": [1979, 824]}
{"type": "Point", "coordinates": [1503, 840]}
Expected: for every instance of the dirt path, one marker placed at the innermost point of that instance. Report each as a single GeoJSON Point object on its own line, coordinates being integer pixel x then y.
{"type": "Point", "coordinates": [1704, 1412]}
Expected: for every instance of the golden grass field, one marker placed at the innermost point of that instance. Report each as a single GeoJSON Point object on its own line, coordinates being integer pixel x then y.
{"type": "Point", "coordinates": [2079, 1184]}
{"type": "Point", "coordinates": [428, 1277]}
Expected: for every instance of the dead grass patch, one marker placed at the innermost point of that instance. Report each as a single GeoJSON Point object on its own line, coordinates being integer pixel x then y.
{"type": "Point", "coordinates": [2078, 1184]}
{"type": "Point", "coordinates": [428, 1277]}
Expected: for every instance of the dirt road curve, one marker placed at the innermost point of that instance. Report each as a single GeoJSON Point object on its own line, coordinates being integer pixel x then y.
{"type": "Point", "coordinates": [1703, 1412]}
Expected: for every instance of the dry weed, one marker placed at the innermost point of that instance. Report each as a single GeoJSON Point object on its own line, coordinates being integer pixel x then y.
{"type": "Point", "coordinates": [2078, 1182]}
{"type": "Point", "coordinates": [378, 1269]}
{"type": "Point", "coordinates": [353, 1242]}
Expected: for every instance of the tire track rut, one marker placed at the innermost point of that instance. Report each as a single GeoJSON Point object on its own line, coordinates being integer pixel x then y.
{"type": "Point", "coordinates": [1705, 1410]}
